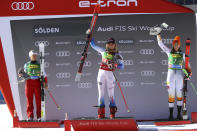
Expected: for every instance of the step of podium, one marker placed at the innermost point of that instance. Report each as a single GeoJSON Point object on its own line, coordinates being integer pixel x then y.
{"type": "Point", "coordinates": [93, 124]}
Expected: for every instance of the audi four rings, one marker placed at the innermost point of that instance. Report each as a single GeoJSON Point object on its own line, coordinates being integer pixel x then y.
{"type": "Point", "coordinates": [128, 62]}
{"type": "Point", "coordinates": [63, 75]}
{"type": "Point", "coordinates": [46, 43]}
{"type": "Point", "coordinates": [167, 41]}
{"type": "Point", "coordinates": [127, 84]}
{"type": "Point", "coordinates": [147, 73]}
{"type": "Point", "coordinates": [164, 62]}
{"type": "Point", "coordinates": [22, 6]}
{"type": "Point", "coordinates": [86, 64]}
{"type": "Point", "coordinates": [85, 85]}
{"type": "Point", "coordinates": [63, 53]}
{"type": "Point", "coordinates": [147, 51]}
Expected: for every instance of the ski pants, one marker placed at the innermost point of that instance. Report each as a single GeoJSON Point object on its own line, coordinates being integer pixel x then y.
{"type": "Point", "coordinates": [106, 79]}
{"type": "Point", "coordinates": [175, 87]}
{"type": "Point", "coordinates": [33, 87]}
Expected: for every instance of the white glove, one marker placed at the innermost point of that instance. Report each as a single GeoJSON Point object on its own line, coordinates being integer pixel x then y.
{"type": "Point", "coordinates": [164, 25]}
{"type": "Point", "coordinates": [88, 32]}
{"type": "Point", "coordinates": [155, 30]}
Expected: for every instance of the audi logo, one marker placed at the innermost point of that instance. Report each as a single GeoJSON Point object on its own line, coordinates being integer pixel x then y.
{"type": "Point", "coordinates": [164, 62]}
{"type": "Point", "coordinates": [167, 41]}
{"type": "Point", "coordinates": [127, 84]}
{"type": "Point", "coordinates": [46, 43]}
{"type": "Point", "coordinates": [22, 6]}
{"type": "Point", "coordinates": [86, 64]}
{"type": "Point", "coordinates": [128, 62]}
{"type": "Point", "coordinates": [63, 53]}
{"type": "Point", "coordinates": [147, 51]}
{"type": "Point", "coordinates": [85, 85]}
{"type": "Point", "coordinates": [63, 75]}
{"type": "Point", "coordinates": [46, 64]}
{"type": "Point", "coordinates": [147, 73]}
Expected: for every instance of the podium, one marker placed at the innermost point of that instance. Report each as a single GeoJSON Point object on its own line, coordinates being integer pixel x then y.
{"type": "Point", "coordinates": [94, 124]}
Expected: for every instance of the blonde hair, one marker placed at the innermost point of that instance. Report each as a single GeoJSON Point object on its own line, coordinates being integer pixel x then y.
{"type": "Point", "coordinates": [115, 50]}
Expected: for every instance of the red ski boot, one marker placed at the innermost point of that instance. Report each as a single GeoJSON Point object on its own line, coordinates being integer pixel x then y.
{"type": "Point", "coordinates": [113, 110]}
{"type": "Point", "coordinates": [101, 112]}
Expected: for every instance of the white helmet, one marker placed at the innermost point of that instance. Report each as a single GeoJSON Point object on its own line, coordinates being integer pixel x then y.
{"type": "Point", "coordinates": [32, 52]}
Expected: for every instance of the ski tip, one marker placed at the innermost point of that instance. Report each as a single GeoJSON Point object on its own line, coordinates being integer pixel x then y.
{"type": "Point", "coordinates": [97, 5]}
{"type": "Point", "coordinates": [78, 77]}
{"type": "Point", "coordinates": [188, 40]}
{"type": "Point", "coordinates": [97, 8]}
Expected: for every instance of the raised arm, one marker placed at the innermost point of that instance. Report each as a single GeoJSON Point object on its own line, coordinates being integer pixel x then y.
{"type": "Point", "coordinates": [161, 45]}
{"type": "Point", "coordinates": [95, 47]}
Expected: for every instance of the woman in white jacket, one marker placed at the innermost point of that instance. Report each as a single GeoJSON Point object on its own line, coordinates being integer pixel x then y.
{"type": "Point", "coordinates": [175, 75]}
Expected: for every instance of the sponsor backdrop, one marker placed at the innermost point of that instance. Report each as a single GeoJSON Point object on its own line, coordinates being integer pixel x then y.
{"type": "Point", "coordinates": [142, 80]}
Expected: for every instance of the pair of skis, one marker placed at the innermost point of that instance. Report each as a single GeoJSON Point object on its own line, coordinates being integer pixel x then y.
{"type": "Point", "coordinates": [42, 80]}
{"type": "Point", "coordinates": [187, 52]}
{"type": "Point", "coordinates": [89, 38]}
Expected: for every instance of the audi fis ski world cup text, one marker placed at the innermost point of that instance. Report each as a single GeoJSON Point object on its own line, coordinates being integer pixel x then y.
{"type": "Point", "coordinates": [108, 3]}
{"type": "Point", "coordinates": [128, 28]}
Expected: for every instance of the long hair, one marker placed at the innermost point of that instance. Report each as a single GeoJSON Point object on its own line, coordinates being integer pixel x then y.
{"type": "Point", "coordinates": [173, 50]}
{"type": "Point", "coordinates": [176, 39]}
{"type": "Point", "coordinates": [115, 50]}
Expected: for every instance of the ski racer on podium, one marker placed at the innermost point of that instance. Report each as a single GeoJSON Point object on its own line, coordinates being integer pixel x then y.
{"type": "Point", "coordinates": [33, 86]}
{"type": "Point", "coordinates": [175, 75]}
{"type": "Point", "coordinates": [111, 60]}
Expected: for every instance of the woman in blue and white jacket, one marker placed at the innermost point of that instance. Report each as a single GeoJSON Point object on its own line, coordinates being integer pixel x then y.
{"type": "Point", "coordinates": [111, 60]}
